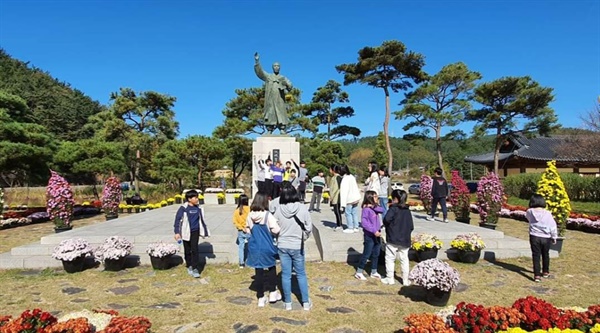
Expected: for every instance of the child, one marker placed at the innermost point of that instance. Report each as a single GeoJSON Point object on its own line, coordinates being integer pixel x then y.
{"type": "Point", "coordinates": [398, 227]}
{"type": "Point", "coordinates": [542, 231]}
{"type": "Point", "coordinates": [318, 185]}
{"type": "Point", "coordinates": [277, 172]}
{"type": "Point", "coordinates": [239, 221]}
{"type": "Point", "coordinates": [189, 226]}
{"type": "Point", "coordinates": [372, 241]}
{"type": "Point", "coordinates": [439, 192]}
{"type": "Point", "coordinates": [262, 225]}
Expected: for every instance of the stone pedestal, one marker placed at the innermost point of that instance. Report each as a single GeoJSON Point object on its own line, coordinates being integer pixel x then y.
{"type": "Point", "coordinates": [283, 147]}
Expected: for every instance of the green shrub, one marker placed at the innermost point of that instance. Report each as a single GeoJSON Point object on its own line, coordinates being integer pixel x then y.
{"type": "Point", "coordinates": [522, 186]}
{"type": "Point", "coordinates": [578, 188]}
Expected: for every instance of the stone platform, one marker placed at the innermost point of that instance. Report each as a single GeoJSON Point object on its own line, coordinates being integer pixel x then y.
{"type": "Point", "coordinates": [325, 243]}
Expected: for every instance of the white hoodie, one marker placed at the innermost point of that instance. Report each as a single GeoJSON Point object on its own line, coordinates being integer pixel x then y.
{"type": "Point", "coordinates": [259, 218]}
{"type": "Point", "coordinates": [349, 192]}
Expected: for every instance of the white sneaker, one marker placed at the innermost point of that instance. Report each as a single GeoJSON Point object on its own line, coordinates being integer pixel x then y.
{"type": "Point", "coordinates": [287, 306]}
{"type": "Point", "coordinates": [356, 230]}
{"type": "Point", "coordinates": [337, 228]}
{"type": "Point", "coordinates": [388, 280]}
{"type": "Point", "coordinates": [446, 221]}
{"type": "Point", "coordinates": [262, 302]}
{"type": "Point", "coordinates": [360, 276]}
{"type": "Point", "coordinates": [406, 284]}
{"type": "Point", "coordinates": [274, 296]}
{"type": "Point", "coordinates": [375, 275]}
{"type": "Point", "coordinates": [429, 218]}
{"type": "Point", "coordinates": [348, 231]}
{"type": "Point", "coordinates": [307, 306]}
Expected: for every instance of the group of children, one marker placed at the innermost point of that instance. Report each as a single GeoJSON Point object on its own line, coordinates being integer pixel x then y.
{"type": "Point", "coordinates": [272, 175]}
{"type": "Point", "coordinates": [288, 219]}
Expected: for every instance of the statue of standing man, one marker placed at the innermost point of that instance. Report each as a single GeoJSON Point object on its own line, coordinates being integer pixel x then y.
{"type": "Point", "coordinates": [276, 87]}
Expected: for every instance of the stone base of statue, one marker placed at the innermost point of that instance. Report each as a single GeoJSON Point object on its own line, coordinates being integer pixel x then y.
{"type": "Point", "coordinates": [278, 147]}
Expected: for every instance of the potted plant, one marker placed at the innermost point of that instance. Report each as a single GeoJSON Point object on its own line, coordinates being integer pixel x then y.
{"type": "Point", "coordinates": [469, 247]}
{"type": "Point", "coordinates": [170, 201]}
{"type": "Point", "coordinates": [437, 277]}
{"type": "Point", "coordinates": [72, 253]}
{"type": "Point", "coordinates": [236, 198]}
{"type": "Point", "coordinates": [143, 208]}
{"type": "Point", "coordinates": [59, 202]}
{"type": "Point", "coordinates": [136, 208]}
{"type": "Point", "coordinates": [160, 254]}
{"type": "Point", "coordinates": [490, 197]}
{"type": "Point", "coordinates": [111, 197]}
{"type": "Point", "coordinates": [150, 206]}
{"type": "Point", "coordinates": [221, 198]}
{"type": "Point", "coordinates": [425, 193]}
{"type": "Point", "coordinates": [460, 198]}
{"type": "Point", "coordinates": [553, 190]}
{"type": "Point", "coordinates": [178, 198]}
{"type": "Point", "coordinates": [164, 203]}
{"type": "Point", "coordinates": [426, 246]}
{"type": "Point", "coordinates": [200, 199]}
{"type": "Point", "coordinates": [113, 252]}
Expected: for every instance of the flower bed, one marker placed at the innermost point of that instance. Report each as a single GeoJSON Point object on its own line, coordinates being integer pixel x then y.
{"type": "Point", "coordinates": [529, 314]}
{"type": "Point", "coordinates": [100, 321]}
{"type": "Point", "coordinates": [581, 222]}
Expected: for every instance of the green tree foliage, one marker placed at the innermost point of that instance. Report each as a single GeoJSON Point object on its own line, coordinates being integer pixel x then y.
{"type": "Point", "coordinates": [379, 151]}
{"type": "Point", "coordinates": [239, 155]}
{"type": "Point", "coordinates": [244, 114]}
{"type": "Point", "coordinates": [508, 100]}
{"type": "Point", "coordinates": [320, 154]}
{"type": "Point", "coordinates": [321, 112]}
{"type": "Point", "coordinates": [62, 110]}
{"type": "Point", "coordinates": [388, 67]}
{"type": "Point", "coordinates": [25, 148]}
{"type": "Point", "coordinates": [144, 121]}
{"type": "Point", "coordinates": [90, 157]}
{"type": "Point", "coordinates": [171, 164]}
{"type": "Point", "coordinates": [204, 154]}
{"type": "Point", "coordinates": [440, 102]}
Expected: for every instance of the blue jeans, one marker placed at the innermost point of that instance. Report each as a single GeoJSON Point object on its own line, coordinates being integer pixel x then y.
{"type": "Point", "coordinates": [383, 202]}
{"type": "Point", "coordinates": [352, 218]}
{"type": "Point", "coordinates": [293, 258]}
{"type": "Point", "coordinates": [434, 203]}
{"type": "Point", "coordinates": [241, 241]}
{"type": "Point", "coordinates": [372, 247]}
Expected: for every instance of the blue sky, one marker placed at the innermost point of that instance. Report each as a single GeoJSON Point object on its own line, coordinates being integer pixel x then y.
{"type": "Point", "coordinates": [200, 52]}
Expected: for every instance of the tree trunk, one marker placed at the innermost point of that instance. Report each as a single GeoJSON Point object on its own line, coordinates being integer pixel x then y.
{"type": "Point", "coordinates": [497, 152]}
{"type": "Point", "coordinates": [137, 171]}
{"type": "Point", "coordinates": [438, 147]}
{"type": "Point", "coordinates": [328, 127]}
{"type": "Point", "coordinates": [200, 177]}
{"type": "Point", "coordinates": [386, 124]}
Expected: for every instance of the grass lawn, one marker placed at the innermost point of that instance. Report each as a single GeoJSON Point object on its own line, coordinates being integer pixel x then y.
{"type": "Point", "coordinates": [222, 298]}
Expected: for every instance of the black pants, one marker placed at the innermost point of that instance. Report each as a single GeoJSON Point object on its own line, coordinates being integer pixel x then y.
{"type": "Point", "coordinates": [434, 204]}
{"type": "Point", "coordinates": [269, 187]}
{"type": "Point", "coordinates": [266, 280]}
{"type": "Point", "coordinates": [261, 186]}
{"type": "Point", "coordinates": [540, 247]}
{"type": "Point", "coordinates": [276, 190]}
{"type": "Point", "coordinates": [190, 249]}
{"type": "Point", "coordinates": [302, 191]}
{"type": "Point", "coordinates": [338, 214]}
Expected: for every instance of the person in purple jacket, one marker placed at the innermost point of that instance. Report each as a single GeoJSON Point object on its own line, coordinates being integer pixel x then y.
{"type": "Point", "coordinates": [542, 232]}
{"type": "Point", "coordinates": [371, 225]}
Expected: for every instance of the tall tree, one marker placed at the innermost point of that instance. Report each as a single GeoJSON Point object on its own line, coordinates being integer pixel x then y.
{"type": "Point", "coordinates": [440, 102]}
{"type": "Point", "coordinates": [171, 164]}
{"type": "Point", "coordinates": [244, 114]}
{"type": "Point", "coordinates": [203, 153]}
{"type": "Point", "coordinates": [508, 100]}
{"type": "Point", "coordinates": [239, 153]}
{"type": "Point", "coordinates": [26, 149]}
{"type": "Point", "coordinates": [388, 67]}
{"type": "Point", "coordinates": [146, 120]}
{"type": "Point", "coordinates": [321, 111]}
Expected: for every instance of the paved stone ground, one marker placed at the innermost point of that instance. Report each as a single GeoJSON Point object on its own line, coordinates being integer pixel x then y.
{"type": "Point", "coordinates": [325, 244]}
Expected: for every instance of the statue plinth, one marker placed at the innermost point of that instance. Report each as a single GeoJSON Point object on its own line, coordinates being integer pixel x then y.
{"type": "Point", "coordinates": [282, 147]}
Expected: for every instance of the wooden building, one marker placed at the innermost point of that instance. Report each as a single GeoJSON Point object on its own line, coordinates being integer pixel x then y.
{"type": "Point", "coordinates": [520, 154]}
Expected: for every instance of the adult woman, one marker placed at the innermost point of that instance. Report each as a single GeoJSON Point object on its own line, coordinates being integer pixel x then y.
{"type": "Point", "coordinates": [349, 198]}
{"type": "Point", "coordinates": [372, 182]}
{"type": "Point", "coordinates": [294, 222]}
{"type": "Point", "coordinates": [334, 193]}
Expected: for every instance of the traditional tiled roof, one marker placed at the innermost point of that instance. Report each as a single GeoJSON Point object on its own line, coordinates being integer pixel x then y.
{"type": "Point", "coordinates": [540, 148]}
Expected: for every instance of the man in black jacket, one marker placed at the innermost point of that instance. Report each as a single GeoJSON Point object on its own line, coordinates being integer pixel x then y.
{"type": "Point", "coordinates": [439, 192]}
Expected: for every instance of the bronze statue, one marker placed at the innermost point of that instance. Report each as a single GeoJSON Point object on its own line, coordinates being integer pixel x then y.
{"type": "Point", "coordinates": [276, 87]}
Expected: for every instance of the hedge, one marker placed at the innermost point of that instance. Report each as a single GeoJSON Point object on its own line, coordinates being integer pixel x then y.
{"type": "Point", "coordinates": [579, 188]}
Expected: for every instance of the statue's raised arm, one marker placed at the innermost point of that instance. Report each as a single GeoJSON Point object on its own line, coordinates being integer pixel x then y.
{"type": "Point", "coordinates": [258, 69]}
